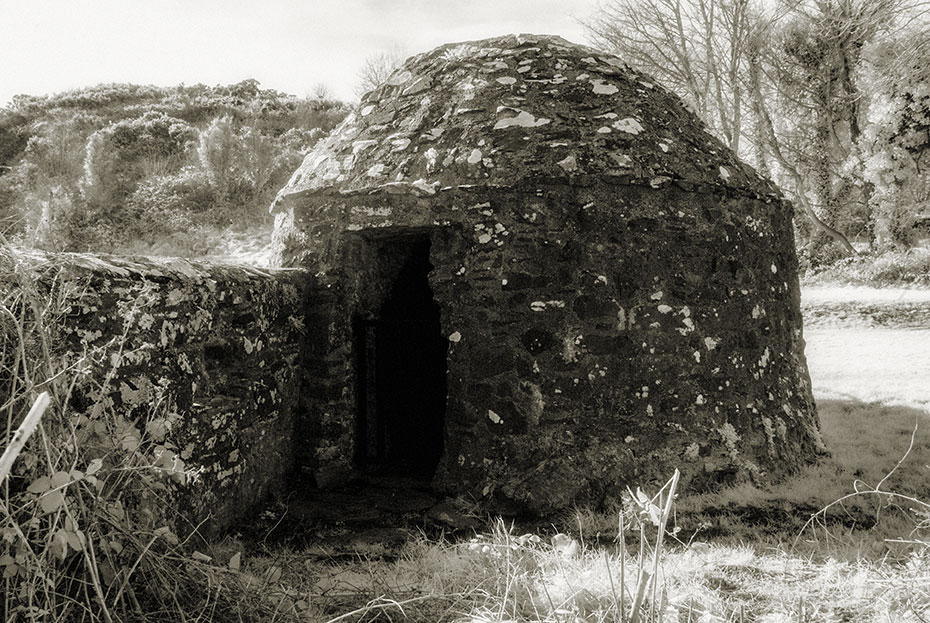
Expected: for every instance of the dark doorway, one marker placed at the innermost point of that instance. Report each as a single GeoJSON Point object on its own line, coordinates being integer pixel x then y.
{"type": "Point", "coordinates": [401, 367]}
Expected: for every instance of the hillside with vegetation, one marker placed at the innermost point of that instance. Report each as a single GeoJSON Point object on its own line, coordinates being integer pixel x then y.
{"type": "Point", "coordinates": [140, 169]}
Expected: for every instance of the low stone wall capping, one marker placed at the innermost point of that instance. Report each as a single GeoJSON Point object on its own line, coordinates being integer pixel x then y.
{"type": "Point", "coordinates": [202, 358]}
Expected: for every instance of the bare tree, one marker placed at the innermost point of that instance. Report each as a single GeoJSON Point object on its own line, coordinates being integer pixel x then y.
{"type": "Point", "coordinates": [813, 68]}
{"type": "Point", "coordinates": [696, 48]}
{"type": "Point", "coordinates": [768, 144]}
{"type": "Point", "coordinates": [733, 63]}
{"type": "Point", "coordinates": [321, 92]}
{"type": "Point", "coordinates": [376, 69]}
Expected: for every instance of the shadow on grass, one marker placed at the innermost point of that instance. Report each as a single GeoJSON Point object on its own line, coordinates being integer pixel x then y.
{"type": "Point", "coordinates": [872, 446]}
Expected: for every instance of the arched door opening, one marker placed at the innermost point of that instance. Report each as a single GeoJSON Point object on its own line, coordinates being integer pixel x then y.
{"type": "Point", "coordinates": [401, 366]}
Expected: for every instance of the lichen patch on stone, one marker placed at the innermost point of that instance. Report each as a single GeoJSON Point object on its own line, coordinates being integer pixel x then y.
{"type": "Point", "coordinates": [523, 119]}
{"type": "Point", "coordinates": [600, 87]}
{"type": "Point", "coordinates": [568, 163]}
{"type": "Point", "coordinates": [628, 125]}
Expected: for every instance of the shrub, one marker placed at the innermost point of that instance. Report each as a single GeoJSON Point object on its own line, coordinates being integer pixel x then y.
{"type": "Point", "coordinates": [85, 169]}
{"type": "Point", "coordinates": [117, 156]}
{"type": "Point", "coordinates": [907, 268]}
{"type": "Point", "coordinates": [170, 203]}
{"type": "Point", "coordinates": [11, 221]}
{"type": "Point", "coordinates": [245, 166]}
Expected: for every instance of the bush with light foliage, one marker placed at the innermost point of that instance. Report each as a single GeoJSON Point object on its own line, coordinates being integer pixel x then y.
{"type": "Point", "coordinates": [77, 168]}
{"type": "Point", "coordinates": [893, 153]}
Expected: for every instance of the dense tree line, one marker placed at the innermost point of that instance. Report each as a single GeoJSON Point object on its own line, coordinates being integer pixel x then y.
{"type": "Point", "coordinates": [829, 97]}
{"type": "Point", "coordinates": [105, 167]}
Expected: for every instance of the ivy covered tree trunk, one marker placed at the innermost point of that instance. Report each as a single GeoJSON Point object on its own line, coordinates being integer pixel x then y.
{"type": "Point", "coordinates": [822, 191]}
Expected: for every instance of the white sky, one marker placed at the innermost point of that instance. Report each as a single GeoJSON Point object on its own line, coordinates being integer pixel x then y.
{"type": "Point", "coordinates": [48, 46]}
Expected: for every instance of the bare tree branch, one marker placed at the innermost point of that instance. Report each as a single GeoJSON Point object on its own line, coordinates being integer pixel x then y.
{"type": "Point", "coordinates": [376, 69]}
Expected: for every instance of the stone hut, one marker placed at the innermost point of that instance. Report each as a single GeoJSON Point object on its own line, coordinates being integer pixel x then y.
{"type": "Point", "coordinates": [547, 282]}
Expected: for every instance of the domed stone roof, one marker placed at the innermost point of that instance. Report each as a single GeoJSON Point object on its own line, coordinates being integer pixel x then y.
{"type": "Point", "coordinates": [498, 111]}
{"type": "Point", "coordinates": [548, 283]}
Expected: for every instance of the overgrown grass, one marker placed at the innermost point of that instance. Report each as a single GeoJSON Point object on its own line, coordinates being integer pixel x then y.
{"type": "Point", "coordinates": [909, 268]}
{"type": "Point", "coordinates": [876, 453]}
{"type": "Point", "coordinates": [503, 575]}
{"type": "Point", "coordinates": [500, 575]}
{"type": "Point", "coordinates": [789, 553]}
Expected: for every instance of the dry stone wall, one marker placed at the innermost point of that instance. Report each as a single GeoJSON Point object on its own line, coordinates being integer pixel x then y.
{"type": "Point", "coordinates": [202, 360]}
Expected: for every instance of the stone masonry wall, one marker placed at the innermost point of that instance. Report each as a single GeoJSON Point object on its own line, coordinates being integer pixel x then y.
{"type": "Point", "coordinates": [618, 290]}
{"type": "Point", "coordinates": [203, 359]}
{"type": "Point", "coordinates": [600, 335]}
